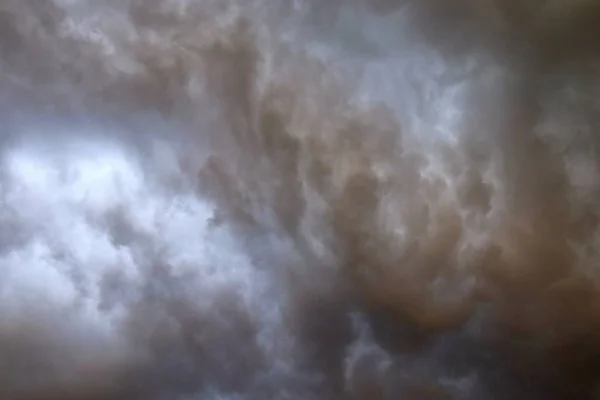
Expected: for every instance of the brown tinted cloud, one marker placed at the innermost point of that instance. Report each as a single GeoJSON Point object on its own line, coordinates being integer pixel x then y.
{"type": "Point", "coordinates": [227, 199]}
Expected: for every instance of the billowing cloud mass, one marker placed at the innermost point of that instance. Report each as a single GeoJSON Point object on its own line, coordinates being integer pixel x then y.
{"type": "Point", "coordinates": [299, 199]}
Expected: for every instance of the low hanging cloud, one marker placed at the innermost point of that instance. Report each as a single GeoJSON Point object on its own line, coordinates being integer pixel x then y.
{"type": "Point", "coordinates": [226, 199]}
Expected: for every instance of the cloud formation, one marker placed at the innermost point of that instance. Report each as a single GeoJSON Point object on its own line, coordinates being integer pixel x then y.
{"type": "Point", "coordinates": [298, 199]}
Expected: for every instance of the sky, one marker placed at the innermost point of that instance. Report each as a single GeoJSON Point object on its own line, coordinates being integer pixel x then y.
{"type": "Point", "coordinates": [299, 199]}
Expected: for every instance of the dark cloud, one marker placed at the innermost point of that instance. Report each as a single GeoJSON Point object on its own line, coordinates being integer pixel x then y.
{"type": "Point", "coordinates": [300, 199]}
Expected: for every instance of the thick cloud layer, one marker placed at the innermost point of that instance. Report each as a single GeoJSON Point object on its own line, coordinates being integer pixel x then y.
{"type": "Point", "coordinates": [221, 199]}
